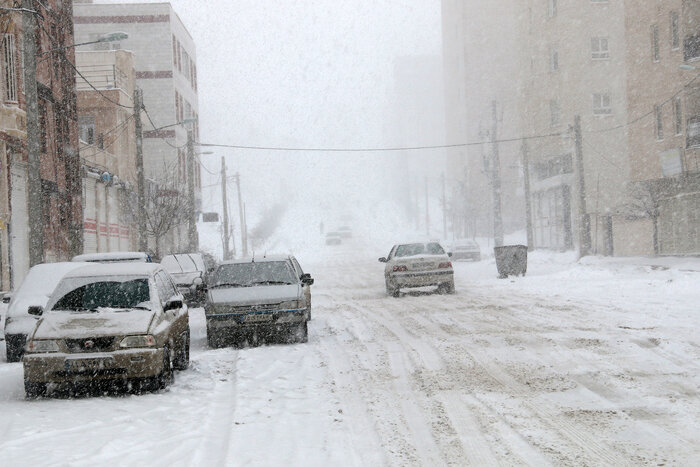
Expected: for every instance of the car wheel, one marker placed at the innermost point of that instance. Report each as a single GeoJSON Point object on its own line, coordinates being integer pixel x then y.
{"type": "Point", "coordinates": [166, 376]}
{"type": "Point", "coordinates": [34, 390]}
{"type": "Point", "coordinates": [182, 359]}
{"type": "Point", "coordinates": [302, 332]}
{"type": "Point", "coordinates": [392, 291]}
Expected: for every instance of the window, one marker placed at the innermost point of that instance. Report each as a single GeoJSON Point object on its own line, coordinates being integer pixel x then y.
{"type": "Point", "coordinates": [691, 48]}
{"type": "Point", "coordinates": [675, 31]}
{"type": "Point", "coordinates": [552, 8]}
{"type": "Point", "coordinates": [655, 56]}
{"type": "Point", "coordinates": [678, 115]}
{"type": "Point", "coordinates": [599, 48]}
{"type": "Point", "coordinates": [86, 129]}
{"type": "Point", "coordinates": [555, 113]}
{"type": "Point", "coordinates": [601, 104]}
{"type": "Point", "coordinates": [659, 119]}
{"type": "Point", "coordinates": [9, 70]}
{"type": "Point", "coordinates": [177, 106]}
{"type": "Point", "coordinates": [174, 51]}
{"type": "Point", "coordinates": [179, 59]}
{"type": "Point", "coordinates": [553, 59]}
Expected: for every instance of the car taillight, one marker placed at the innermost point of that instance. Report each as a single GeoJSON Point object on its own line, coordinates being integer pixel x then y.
{"type": "Point", "coordinates": [400, 268]}
{"type": "Point", "coordinates": [445, 265]}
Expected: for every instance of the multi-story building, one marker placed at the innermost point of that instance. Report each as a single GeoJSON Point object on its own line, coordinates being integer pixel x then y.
{"type": "Point", "coordinates": [107, 149]}
{"type": "Point", "coordinates": [480, 68]}
{"type": "Point", "coordinates": [166, 72]}
{"type": "Point", "coordinates": [13, 193]}
{"type": "Point", "coordinates": [663, 38]}
{"type": "Point", "coordinates": [572, 64]}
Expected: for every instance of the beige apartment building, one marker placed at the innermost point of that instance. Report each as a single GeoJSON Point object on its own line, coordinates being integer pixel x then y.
{"type": "Point", "coordinates": [107, 149]}
{"type": "Point", "coordinates": [572, 63]}
{"type": "Point", "coordinates": [663, 61]}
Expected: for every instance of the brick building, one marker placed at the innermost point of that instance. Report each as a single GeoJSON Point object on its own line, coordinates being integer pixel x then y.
{"type": "Point", "coordinates": [166, 72]}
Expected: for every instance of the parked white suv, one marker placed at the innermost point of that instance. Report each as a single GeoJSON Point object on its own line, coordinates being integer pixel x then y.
{"type": "Point", "coordinates": [418, 265]}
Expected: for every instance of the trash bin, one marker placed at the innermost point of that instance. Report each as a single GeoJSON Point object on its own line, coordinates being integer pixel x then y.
{"type": "Point", "coordinates": [511, 260]}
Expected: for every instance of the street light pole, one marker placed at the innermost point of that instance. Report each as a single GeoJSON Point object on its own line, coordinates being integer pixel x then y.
{"type": "Point", "coordinates": [140, 177]}
{"type": "Point", "coordinates": [191, 212]}
{"type": "Point", "coordinates": [224, 202]}
{"type": "Point", "coordinates": [241, 212]}
{"type": "Point", "coordinates": [31, 98]}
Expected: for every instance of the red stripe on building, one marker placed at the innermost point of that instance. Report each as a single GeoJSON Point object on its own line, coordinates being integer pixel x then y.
{"type": "Point", "coordinates": [121, 19]}
{"type": "Point", "coordinates": [159, 134]}
{"type": "Point", "coordinates": [160, 74]}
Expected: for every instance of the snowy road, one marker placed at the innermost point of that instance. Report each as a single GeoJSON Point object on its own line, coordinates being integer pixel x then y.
{"type": "Point", "coordinates": [576, 364]}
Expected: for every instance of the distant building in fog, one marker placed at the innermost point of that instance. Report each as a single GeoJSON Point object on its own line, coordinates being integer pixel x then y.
{"type": "Point", "coordinates": [480, 59]}
{"type": "Point", "coordinates": [166, 71]}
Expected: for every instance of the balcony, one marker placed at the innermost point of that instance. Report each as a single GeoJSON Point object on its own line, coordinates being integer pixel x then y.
{"type": "Point", "coordinates": [102, 77]}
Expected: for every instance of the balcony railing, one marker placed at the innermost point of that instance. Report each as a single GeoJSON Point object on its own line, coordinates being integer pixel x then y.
{"type": "Point", "coordinates": [102, 77]}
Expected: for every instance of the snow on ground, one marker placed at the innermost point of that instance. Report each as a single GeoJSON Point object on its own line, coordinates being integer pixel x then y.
{"type": "Point", "coordinates": [578, 363]}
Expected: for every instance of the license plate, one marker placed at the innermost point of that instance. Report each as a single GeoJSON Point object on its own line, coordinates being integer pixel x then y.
{"type": "Point", "coordinates": [422, 266]}
{"type": "Point", "coordinates": [88, 364]}
{"type": "Point", "coordinates": [257, 318]}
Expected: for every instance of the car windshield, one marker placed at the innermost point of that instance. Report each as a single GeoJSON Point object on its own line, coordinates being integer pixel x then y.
{"type": "Point", "coordinates": [249, 274]}
{"type": "Point", "coordinates": [126, 294]}
{"type": "Point", "coordinates": [179, 263]}
{"type": "Point", "coordinates": [414, 249]}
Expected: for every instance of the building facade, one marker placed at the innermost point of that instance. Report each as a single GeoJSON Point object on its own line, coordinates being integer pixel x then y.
{"type": "Point", "coordinates": [108, 149]}
{"type": "Point", "coordinates": [663, 62]}
{"type": "Point", "coordinates": [166, 72]}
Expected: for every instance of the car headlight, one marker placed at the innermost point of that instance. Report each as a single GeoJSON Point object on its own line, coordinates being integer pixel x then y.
{"type": "Point", "coordinates": [146, 340]}
{"type": "Point", "coordinates": [291, 305]}
{"type": "Point", "coordinates": [42, 346]}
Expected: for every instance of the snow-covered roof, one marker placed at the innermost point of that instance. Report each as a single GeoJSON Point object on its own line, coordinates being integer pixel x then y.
{"type": "Point", "coordinates": [115, 269]}
{"type": "Point", "coordinates": [114, 256]}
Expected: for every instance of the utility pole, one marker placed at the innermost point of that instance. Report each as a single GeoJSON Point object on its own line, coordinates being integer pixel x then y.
{"type": "Point", "coordinates": [140, 176]}
{"type": "Point", "coordinates": [528, 199]}
{"type": "Point", "coordinates": [496, 180]}
{"type": "Point", "coordinates": [31, 98]}
{"type": "Point", "coordinates": [584, 220]}
{"type": "Point", "coordinates": [427, 209]}
{"type": "Point", "coordinates": [444, 207]}
{"type": "Point", "coordinates": [224, 203]}
{"type": "Point", "coordinates": [191, 213]}
{"type": "Point", "coordinates": [241, 213]}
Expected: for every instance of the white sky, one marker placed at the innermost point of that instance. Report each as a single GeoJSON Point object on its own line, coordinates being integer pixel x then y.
{"type": "Point", "coordinates": [304, 73]}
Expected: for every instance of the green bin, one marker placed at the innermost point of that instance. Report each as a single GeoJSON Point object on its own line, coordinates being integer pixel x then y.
{"type": "Point", "coordinates": [511, 260]}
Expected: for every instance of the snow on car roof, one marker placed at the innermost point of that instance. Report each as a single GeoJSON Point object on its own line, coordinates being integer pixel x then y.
{"type": "Point", "coordinates": [258, 259]}
{"type": "Point", "coordinates": [115, 269]}
{"type": "Point", "coordinates": [113, 256]}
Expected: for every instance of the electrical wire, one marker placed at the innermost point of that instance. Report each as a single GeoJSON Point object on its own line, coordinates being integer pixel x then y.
{"type": "Point", "coordinates": [155, 128]}
{"type": "Point", "coordinates": [118, 127]}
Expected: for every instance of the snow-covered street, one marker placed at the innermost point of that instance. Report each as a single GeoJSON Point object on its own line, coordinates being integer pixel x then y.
{"type": "Point", "coordinates": [578, 363]}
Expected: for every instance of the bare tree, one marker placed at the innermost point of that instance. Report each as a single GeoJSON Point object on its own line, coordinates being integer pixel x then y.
{"type": "Point", "coordinates": [642, 204]}
{"type": "Point", "coordinates": [165, 205]}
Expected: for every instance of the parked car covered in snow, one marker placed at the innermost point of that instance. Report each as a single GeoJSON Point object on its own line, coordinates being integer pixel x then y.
{"type": "Point", "coordinates": [109, 322]}
{"type": "Point", "coordinates": [35, 290]}
{"type": "Point", "coordinates": [466, 249]}
{"type": "Point", "coordinates": [253, 300]}
{"type": "Point", "coordinates": [333, 238]}
{"type": "Point", "coordinates": [114, 257]}
{"type": "Point", "coordinates": [189, 274]}
{"type": "Point", "coordinates": [418, 265]}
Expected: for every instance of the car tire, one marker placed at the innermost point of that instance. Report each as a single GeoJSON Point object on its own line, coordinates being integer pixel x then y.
{"type": "Point", "coordinates": [392, 291]}
{"type": "Point", "coordinates": [167, 375]}
{"type": "Point", "coordinates": [302, 332]}
{"type": "Point", "coordinates": [446, 288]}
{"type": "Point", "coordinates": [182, 358]}
{"type": "Point", "coordinates": [34, 390]}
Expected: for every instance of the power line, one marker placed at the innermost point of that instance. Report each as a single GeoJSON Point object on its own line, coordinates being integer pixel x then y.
{"type": "Point", "coordinates": [155, 128]}
{"type": "Point", "coordinates": [386, 149]}
{"type": "Point", "coordinates": [121, 125]}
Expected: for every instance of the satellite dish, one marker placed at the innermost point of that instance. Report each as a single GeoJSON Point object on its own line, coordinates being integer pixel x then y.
{"type": "Point", "coordinates": [106, 177]}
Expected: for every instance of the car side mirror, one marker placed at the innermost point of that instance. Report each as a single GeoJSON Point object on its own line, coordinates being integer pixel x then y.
{"type": "Point", "coordinates": [382, 260]}
{"type": "Point", "coordinates": [173, 304]}
{"type": "Point", "coordinates": [449, 254]}
{"type": "Point", "coordinates": [35, 310]}
{"type": "Point", "coordinates": [306, 279]}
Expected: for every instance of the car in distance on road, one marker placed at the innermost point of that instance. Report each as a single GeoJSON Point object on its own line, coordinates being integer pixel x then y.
{"type": "Point", "coordinates": [418, 265]}
{"type": "Point", "coordinates": [35, 290]}
{"type": "Point", "coordinates": [114, 257]}
{"type": "Point", "coordinates": [189, 273]}
{"type": "Point", "coordinates": [466, 249]}
{"type": "Point", "coordinates": [108, 322]}
{"type": "Point", "coordinates": [256, 300]}
{"type": "Point", "coordinates": [333, 238]}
